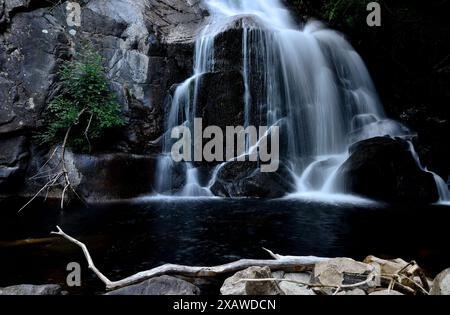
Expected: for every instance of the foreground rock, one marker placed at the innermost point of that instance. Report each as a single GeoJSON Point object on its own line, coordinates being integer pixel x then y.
{"type": "Point", "coordinates": [386, 292]}
{"type": "Point", "coordinates": [28, 289]}
{"type": "Point", "coordinates": [164, 285]}
{"type": "Point", "coordinates": [235, 286]}
{"type": "Point", "coordinates": [299, 286]}
{"type": "Point", "coordinates": [384, 169]}
{"type": "Point", "coordinates": [245, 179]}
{"type": "Point", "coordinates": [342, 271]}
{"type": "Point", "coordinates": [441, 284]}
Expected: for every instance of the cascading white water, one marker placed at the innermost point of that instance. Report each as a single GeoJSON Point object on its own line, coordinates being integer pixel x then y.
{"type": "Point", "coordinates": [311, 82]}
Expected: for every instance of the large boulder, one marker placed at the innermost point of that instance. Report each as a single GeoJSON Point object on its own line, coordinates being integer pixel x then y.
{"type": "Point", "coordinates": [164, 285]}
{"type": "Point", "coordinates": [236, 285]}
{"type": "Point", "coordinates": [245, 179]}
{"type": "Point", "coordinates": [385, 169]}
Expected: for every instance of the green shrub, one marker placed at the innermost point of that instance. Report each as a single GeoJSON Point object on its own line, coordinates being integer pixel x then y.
{"type": "Point", "coordinates": [349, 13]}
{"type": "Point", "coordinates": [85, 106]}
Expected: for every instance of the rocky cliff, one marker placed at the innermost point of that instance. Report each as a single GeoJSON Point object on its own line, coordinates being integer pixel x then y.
{"type": "Point", "coordinates": [147, 47]}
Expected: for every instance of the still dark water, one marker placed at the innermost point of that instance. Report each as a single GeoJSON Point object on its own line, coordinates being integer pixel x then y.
{"type": "Point", "coordinates": [130, 237]}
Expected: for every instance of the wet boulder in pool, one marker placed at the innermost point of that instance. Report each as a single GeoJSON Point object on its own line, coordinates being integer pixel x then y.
{"type": "Point", "coordinates": [385, 169]}
{"type": "Point", "coordinates": [245, 179]}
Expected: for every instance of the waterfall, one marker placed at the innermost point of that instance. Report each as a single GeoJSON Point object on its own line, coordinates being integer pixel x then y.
{"type": "Point", "coordinates": [311, 83]}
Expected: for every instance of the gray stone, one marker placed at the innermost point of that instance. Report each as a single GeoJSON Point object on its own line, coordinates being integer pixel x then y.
{"type": "Point", "coordinates": [333, 272]}
{"type": "Point", "coordinates": [233, 286]}
{"type": "Point", "coordinates": [441, 284]}
{"type": "Point", "coordinates": [28, 289]}
{"type": "Point", "coordinates": [163, 285]}
{"type": "Point", "coordinates": [386, 292]}
{"type": "Point", "coordinates": [353, 292]}
{"type": "Point", "coordinates": [291, 288]}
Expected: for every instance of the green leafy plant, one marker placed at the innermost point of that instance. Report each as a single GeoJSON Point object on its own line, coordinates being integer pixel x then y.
{"type": "Point", "coordinates": [347, 12]}
{"type": "Point", "coordinates": [85, 108]}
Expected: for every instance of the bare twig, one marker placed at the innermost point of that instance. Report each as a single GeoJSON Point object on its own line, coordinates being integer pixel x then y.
{"type": "Point", "coordinates": [64, 173]}
{"type": "Point", "coordinates": [87, 130]}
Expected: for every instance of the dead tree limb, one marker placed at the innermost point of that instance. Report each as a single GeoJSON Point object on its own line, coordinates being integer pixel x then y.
{"type": "Point", "coordinates": [64, 172]}
{"type": "Point", "coordinates": [282, 263]}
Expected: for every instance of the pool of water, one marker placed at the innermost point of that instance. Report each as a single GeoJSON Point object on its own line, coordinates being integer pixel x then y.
{"type": "Point", "coordinates": [128, 237]}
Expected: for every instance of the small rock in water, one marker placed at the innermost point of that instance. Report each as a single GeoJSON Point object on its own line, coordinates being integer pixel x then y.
{"type": "Point", "coordinates": [28, 289]}
{"type": "Point", "coordinates": [441, 284]}
{"type": "Point", "coordinates": [233, 286]}
{"type": "Point", "coordinates": [164, 285]}
{"type": "Point", "coordinates": [386, 292]}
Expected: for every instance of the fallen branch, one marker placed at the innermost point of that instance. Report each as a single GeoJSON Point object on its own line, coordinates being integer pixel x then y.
{"type": "Point", "coordinates": [281, 263]}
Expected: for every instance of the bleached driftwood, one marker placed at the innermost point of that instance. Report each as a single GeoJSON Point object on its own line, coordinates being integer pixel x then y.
{"type": "Point", "coordinates": [281, 263]}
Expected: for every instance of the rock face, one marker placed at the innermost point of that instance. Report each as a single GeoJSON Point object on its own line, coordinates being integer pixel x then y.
{"type": "Point", "coordinates": [28, 289]}
{"type": "Point", "coordinates": [147, 46]}
{"type": "Point", "coordinates": [220, 99]}
{"type": "Point", "coordinates": [232, 286]}
{"type": "Point", "coordinates": [384, 169]}
{"type": "Point", "coordinates": [164, 285]}
{"type": "Point", "coordinates": [245, 179]}
{"type": "Point", "coordinates": [441, 284]}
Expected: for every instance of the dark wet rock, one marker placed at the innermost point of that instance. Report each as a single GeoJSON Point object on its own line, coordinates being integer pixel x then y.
{"type": "Point", "coordinates": [28, 289]}
{"type": "Point", "coordinates": [384, 169]}
{"type": "Point", "coordinates": [13, 162]}
{"type": "Point", "coordinates": [164, 285]}
{"type": "Point", "coordinates": [220, 99]}
{"type": "Point", "coordinates": [245, 179]}
{"type": "Point", "coordinates": [114, 176]}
